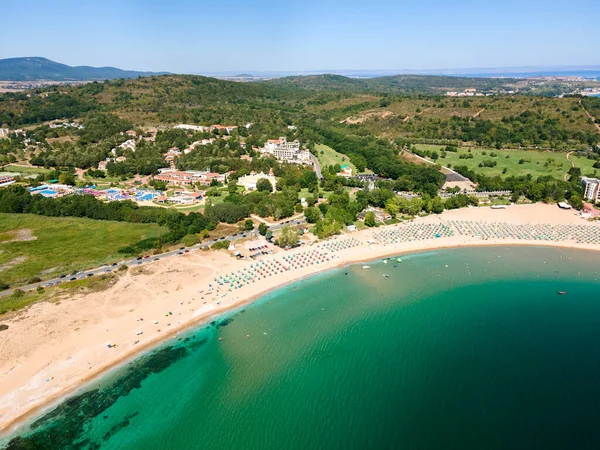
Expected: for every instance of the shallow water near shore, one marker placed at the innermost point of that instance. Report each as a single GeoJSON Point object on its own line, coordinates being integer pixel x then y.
{"type": "Point", "coordinates": [461, 348]}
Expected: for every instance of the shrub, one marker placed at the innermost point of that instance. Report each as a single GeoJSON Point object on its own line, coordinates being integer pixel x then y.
{"type": "Point", "coordinates": [221, 245]}
{"type": "Point", "coordinates": [189, 240]}
{"type": "Point", "coordinates": [262, 229]}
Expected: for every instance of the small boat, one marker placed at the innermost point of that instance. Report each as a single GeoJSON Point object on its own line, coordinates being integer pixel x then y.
{"type": "Point", "coordinates": [562, 293]}
{"type": "Point", "coordinates": [395, 265]}
{"type": "Point", "coordinates": [386, 275]}
{"type": "Point", "coordinates": [346, 273]}
{"type": "Point", "coordinates": [399, 260]}
{"type": "Point", "coordinates": [366, 267]}
{"type": "Point", "coordinates": [385, 261]}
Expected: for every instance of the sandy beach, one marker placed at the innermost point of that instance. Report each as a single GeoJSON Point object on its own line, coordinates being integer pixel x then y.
{"type": "Point", "coordinates": [51, 349]}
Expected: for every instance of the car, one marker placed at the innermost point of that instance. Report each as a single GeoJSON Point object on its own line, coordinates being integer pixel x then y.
{"type": "Point", "coordinates": [89, 274]}
{"type": "Point", "coordinates": [48, 284]}
{"type": "Point", "coordinates": [234, 234]}
{"type": "Point", "coordinates": [62, 276]}
{"type": "Point", "coordinates": [107, 270]}
{"type": "Point", "coordinates": [298, 223]}
{"type": "Point", "coordinates": [114, 264]}
{"type": "Point", "coordinates": [81, 277]}
{"type": "Point", "coordinates": [147, 256]}
{"type": "Point", "coordinates": [187, 251]}
{"type": "Point", "coordinates": [221, 238]}
{"type": "Point", "coordinates": [155, 259]}
{"type": "Point", "coordinates": [139, 262]}
{"type": "Point", "coordinates": [181, 248]}
{"type": "Point", "coordinates": [72, 279]}
{"type": "Point", "coordinates": [180, 253]}
{"type": "Point", "coordinates": [138, 258]}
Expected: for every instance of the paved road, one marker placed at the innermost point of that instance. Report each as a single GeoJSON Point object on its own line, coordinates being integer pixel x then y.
{"type": "Point", "coordinates": [317, 166]}
{"type": "Point", "coordinates": [146, 260]}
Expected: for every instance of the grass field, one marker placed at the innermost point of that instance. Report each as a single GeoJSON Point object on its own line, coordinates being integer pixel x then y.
{"type": "Point", "coordinates": [536, 163]}
{"type": "Point", "coordinates": [330, 157]}
{"type": "Point", "coordinates": [22, 169]}
{"type": "Point", "coordinates": [56, 293]}
{"type": "Point", "coordinates": [61, 244]}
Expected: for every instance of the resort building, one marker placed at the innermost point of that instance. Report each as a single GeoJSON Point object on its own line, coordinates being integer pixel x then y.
{"type": "Point", "coordinates": [346, 171]}
{"type": "Point", "coordinates": [6, 180]}
{"type": "Point", "coordinates": [184, 126]}
{"type": "Point", "coordinates": [590, 188]}
{"type": "Point", "coordinates": [285, 151]}
{"type": "Point", "coordinates": [226, 128]}
{"type": "Point", "coordinates": [178, 178]}
{"type": "Point", "coordinates": [181, 178]}
{"type": "Point", "coordinates": [249, 181]}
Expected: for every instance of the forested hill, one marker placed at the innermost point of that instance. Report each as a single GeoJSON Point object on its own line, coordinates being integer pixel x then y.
{"type": "Point", "coordinates": [396, 84]}
{"type": "Point", "coordinates": [496, 120]}
{"type": "Point", "coordinates": [37, 68]}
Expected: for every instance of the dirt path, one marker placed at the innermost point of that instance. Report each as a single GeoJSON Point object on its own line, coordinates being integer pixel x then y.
{"type": "Point", "coordinates": [478, 112]}
{"type": "Point", "coordinates": [572, 165]}
{"type": "Point", "coordinates": [590, 116]}
{"type": "Point", "coordinates": [407, 118]}
{"type": "Point", "coordinates": [79, 173]}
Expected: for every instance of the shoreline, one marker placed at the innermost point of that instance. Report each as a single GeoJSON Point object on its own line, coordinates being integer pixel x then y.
{"type": "Point", "coordinates": [78, 380]}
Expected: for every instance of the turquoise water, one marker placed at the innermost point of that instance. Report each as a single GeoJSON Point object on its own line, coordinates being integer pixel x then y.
{"type": "Point", "coordinates": [481, 354]}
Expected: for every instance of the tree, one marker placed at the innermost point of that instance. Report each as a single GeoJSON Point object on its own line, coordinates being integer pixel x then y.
{"type": "Point", "coordinates": [391, 206]}
{"type": "Point", "coordinates": [249, 225]}
{"type": "Point", "coordinates": [232, 187]}
{"type": "Point", "coordinates": [66, 178]}
{"type": "Point", "coordinates": [312, 214]}
{"type": "Point", "coordinates": [437, 207]}
{"type": "Point", "coordinates": [264, 185]}
{"type": "Point", "coordinates": [189, 240]}
{"type": "Point", "coordinates": [262, 229]}
{"type": "Point", "coordinates": [370, 220]}
{"type": "Point", "coordinates": [288, 237]}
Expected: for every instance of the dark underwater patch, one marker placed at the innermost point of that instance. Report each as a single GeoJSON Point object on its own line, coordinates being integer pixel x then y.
{"type": "Point", "coordinates": [225, 322]}
{"type": "Point", "coordinates": [63, 427]}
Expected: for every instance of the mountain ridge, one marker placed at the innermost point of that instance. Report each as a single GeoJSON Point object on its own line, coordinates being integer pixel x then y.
{"type": "Point", "coordinates": [37, 68]}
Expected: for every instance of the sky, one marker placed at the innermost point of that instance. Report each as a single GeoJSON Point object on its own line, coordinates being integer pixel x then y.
{"type": "Point", "coordinates": [210, 37]}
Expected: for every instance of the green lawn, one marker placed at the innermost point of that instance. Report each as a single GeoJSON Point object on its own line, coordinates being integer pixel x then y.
{"type": "Point", "coordinates": [62, 245]}
{"type": "Point", "coordinates": [330, 157]}
{"type": "Point", "coordinates": [536, 163]}
{"type": "Point", "coordinates": [20, 169]}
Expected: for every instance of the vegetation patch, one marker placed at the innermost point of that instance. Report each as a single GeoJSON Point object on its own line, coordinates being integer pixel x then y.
{"type": "Point", "coordinates": [20, 300]}
{"type": "Point", "coordinates": [64, 244]}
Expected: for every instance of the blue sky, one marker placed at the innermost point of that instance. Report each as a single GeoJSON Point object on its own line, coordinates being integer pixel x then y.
{"type": "Point", "coordinates": [263, 35]}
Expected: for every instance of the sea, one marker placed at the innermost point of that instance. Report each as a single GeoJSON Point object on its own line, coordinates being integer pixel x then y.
{"type": "Point", "coordinates": [469, 348]}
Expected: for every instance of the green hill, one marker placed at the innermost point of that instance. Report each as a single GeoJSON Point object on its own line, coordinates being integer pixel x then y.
{"type": "Point", "coordinates": [37, 68]}
{"type": "Point", "coordinates": [396, 84]}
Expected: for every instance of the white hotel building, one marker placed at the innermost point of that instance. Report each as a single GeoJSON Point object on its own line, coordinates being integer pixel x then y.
{"type": "Point", "coordinates": [590, 188]}
{"type": "Point", "coordinates": [286, 151]}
